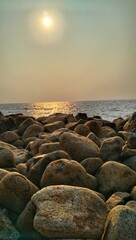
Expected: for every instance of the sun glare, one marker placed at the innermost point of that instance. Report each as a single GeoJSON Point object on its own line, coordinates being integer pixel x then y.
{"type": "Point", "coordinates": [47, 21]}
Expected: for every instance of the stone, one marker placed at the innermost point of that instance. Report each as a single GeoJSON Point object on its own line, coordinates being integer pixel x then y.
{"type": "Point", "coordinates": [119, 123]}
{"type": "Point", "coordinates": [7, 124]}
{"type": "Point", "coordinates": [111, 149]}
{"type": "Point", "coordinates": [24, 125]}
{"type": "Point", "coordinates": [69, 212]}
{"type": "Point", "coordinates": [7, 230]}
{"type": "Point", "coordinates": [51, 127]}
{"type": "Point", "coordinates": [133, 193]}
{"type": "Point", "coordinates": [21, 155]}
{"type": "Point", "coordinates": [9, 137]}
{"type": "Point", "coordinates": [91, 165]}
{"type": "Point", "coordinates": [7, 158]}
{"type": "Point", "coordinates": [131, 204]}
{"type": "Point", "coordinates": [82, 130]}
{"type": "Point", "coordinates": [18, 143]}
{"type": "Point", "coordinates": [78, 147]}
{"type": "Point", "coordinates": [54, 137]}
{"type": "Point", "coordinates": [115, 177]}
{"type": "Point", "coordinates": [107, 132]}
{"type": "Point", "coordinates": [3, 173]}
{"type": "Point", "coordinates": [22, 168]}
{"type": "Point", "coordinates": [128, 152]}
{"type": "Point", "coordinates": [7, 145]}
{"type": "Point", "coordinates": [81, 116]}
{"type": "Point", "coordinates": [35, 173]}
{"type": "Point", "coordinates": [120, 224]}
{"type": "Point", "coordinates": [118, 198]}
{"type": "Point", "coordinates": [94, 126]}
{"type": "Point", "coordinates": [49, 147]}
{"type": "Point", "coordinates": [32, 131]}
{"type": "Point", "coordinates": [16, 190]}
{"type": "Point", "coordinates": [131, 162]}
{"type": "Point", "coordinates": [35, 145]}
{"type": "Point", "coordinates": [59, 117]}
{"type": "Point", "coordinates": [131, 142]}
{"type": "Point", "coordinates": [67, 172]}
{"type": "Point", "coordinates": [94, 138]}
{"type": "Point", "coordinates": [130, 125]}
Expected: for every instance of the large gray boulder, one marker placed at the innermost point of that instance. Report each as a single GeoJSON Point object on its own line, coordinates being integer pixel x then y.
{"type": "Point", "coordinates": [120, 224]}
{"type": "Point", "coordinates": [78, 147]}
{"type": "Point", "coordinates": [67, 172]}
{"type": "Point", "coordinates": [69, 212]}
{"type": "Point", "coordinates": [113, 177]}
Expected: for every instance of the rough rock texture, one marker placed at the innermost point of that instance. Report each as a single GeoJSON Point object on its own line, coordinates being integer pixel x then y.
{"type": "Point", "coordinates": [133, 193]}
{"type": "Point", "coordinates": [16, 190]}
{"type": "Point", "coordinates": [113, 177]}
{"type": "Point", "coordinates": [7, 158]}
{"type": "Point", "coordinates": [21, 155]}
{"type": "Point", "coordinates": [35, 173]}
{"type": "Point", "coordinates": [67, 172]}
{"type": "Point", "coordinates": [49, 147]}
{"type": "Point", "coordinates": [69, 212]}
{"type": "Point", "coordinates": [51, 127]}
{"type": "Point", "coordinates": [111, 149]}
{"type": "Point", "coordinates": [120, 224]}
{"type": "Point", "coordinates": [131, 204]}
{"type": "Point", "coordinates": [7, 230]}
{"type": "Point", "coordinates": [118, 198]}
{"type": "Point", "coordinates": [78, 147]}
{"type": "Point", "coordinates": [91, 165]}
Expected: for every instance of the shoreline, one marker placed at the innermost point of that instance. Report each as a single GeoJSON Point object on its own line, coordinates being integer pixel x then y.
{"type": "Point", "coordinates": [66, 176]}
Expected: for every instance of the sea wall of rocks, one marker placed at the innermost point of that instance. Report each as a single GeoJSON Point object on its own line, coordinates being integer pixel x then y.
{"type": "Point", "coordinates": [67, 177]}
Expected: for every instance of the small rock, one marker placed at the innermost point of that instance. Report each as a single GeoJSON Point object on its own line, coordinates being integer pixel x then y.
{"type": "Point", "coordinates": [94, 138]}
{"type": "Point", "coordinates": [32, 131]}
{"type": "Point", "coordinates": [49, 147]}
{"type": "Point", "coordinates": [82, 130]}
{"type": "Point", "coordinates": [9, 137]}
{"type": "Point", "coordinates": [91, 165]}
{"type": "Point", "coordinates": [107, 132]}
{"type": "Point", "coordinates": [51, 127]}
{"type": "Point", "coordinates": [24, 125]}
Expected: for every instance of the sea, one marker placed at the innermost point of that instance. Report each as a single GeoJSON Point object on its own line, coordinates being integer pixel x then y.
{"type": "Point", "coordinates": [107, 109]}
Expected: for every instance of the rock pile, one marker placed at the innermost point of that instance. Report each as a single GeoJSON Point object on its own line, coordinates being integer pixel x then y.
{"type": "Point", "coordinates": [67, 177]}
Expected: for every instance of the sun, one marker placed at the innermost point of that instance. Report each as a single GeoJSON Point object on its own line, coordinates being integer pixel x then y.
{"type": "Point", "coordinates": [47, 21]}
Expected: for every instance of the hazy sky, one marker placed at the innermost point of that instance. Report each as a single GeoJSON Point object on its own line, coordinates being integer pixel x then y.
{"type": "Point", "coordinates": [88, 53]}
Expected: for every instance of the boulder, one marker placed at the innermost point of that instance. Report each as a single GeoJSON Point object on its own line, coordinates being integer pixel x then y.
{"type": "Point", "coordinates": [22, 168]}
{"type": "Point", "coordinates": [7, 158]}
{"type": "Point", "coordinates": [78, 147]}
{"type": "Point", "coordinates": [51, 127]}
{"type": "Point", "coordinates": [3, 173]}
{"type": "Point", "coordinates": [32, 131]}
{"type": "Point", "coordinates": [111, 149]}
{"type": "Point", "coordinates": [7, 230]}
{"type": "Point", "coordinates": [128, 152]}
{"type": "Point", "coordinates": [24, 125]}
{"type": "Point", "coordinates": [130, 125]}
{"type": "Point", "coordinates": [107, 132]}
{"type": "Point", "coordinates": [7, 145]}
{"type": "Point", "coordinates": [81, 116]}
{"type": "Point", "coordinates": [69, 212]}
{"type": "Point", "coordinates": [94, 126]}
{"type": "Point", "coordinates": [94, 138]}
{"type": "Point", "coordinates": [16, 190]}
{"type": "Point", "coordinates": [118, 198]}
{"type": "Point", "coordinates": [82, 130]}
{"type": "Point", "coordinates": [7, 124]}
{"type": "Point", "coordinates": [35, 145]}
{"type": "Point", "coordinates": [133, 193]}
{"type": "Point", "coordinates": [59, 117]}
{"type": "Point", "coordinates": [91, 165]}
{"type": "Point", "coordinates": [120, 224]}
{"type": "Point", "coordinates": [115, 177]}
{"type": "Point", "coordinates": [36, 172]}
{"type": "Point", "coordinates": [9, 137]}
{"type": "Point", "coordinates": [67, 172]}
{"type": "Point", "coordinates": [131, 162]}
{"type": "Point", "coordinates": [49, 147]}
{"type": "Point", "coordinates": [21, 155]}
{"type": "Point", "coordinates": [131, 204]}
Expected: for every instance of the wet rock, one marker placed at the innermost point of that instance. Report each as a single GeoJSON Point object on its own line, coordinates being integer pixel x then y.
{"type": "Point", "coordinates": [51, 127]}
{"type": "Point", "coordinates": [9, 137]}
{"type": "Point", "coordinates": [94, 126]}
{"type": "Point", "coordinates": [111, 149]}
{"type": "Point", "coordinates": [131, 123]}
{"type": "Point", "coordinates": [131, 162]}
{"type": "Point", "coordinates": [74, 212]}
{"type": "Point", "coordinates": [32, 131]}
{"type": "Point", "coordinates": [67, 172]}
{"type": "Point", "coordinates": [7, 158]}
{"type": "Point", "coordinates": [115, 177]}
{"type": "Point", "coordinates": [120, 224]}
{"type": "Point", "coordinates": [82, 130]}
{"type": "Point", "coordinates": [78, 147]}
{"type": "Point", "coordinates": [49, 147]}
{"type": "Point", "coordinates": [133, 193]}
{"type": "Point", "coordinates": [91, 165]}
{"type": "Point", "coordinates": [16, 190]}
{"type": "Point", "coordinates": [118, 198]}
{"type": "Point", "coordinates": [107, 132]}
{"type": "Point", "coordinates": [24, 125]}
{"type": "Point", "coordinates": [94, 138]}
{"type": "Point", "coordinates": [21, 155]}
{"type": "Point", "coordinates": [36, 172]}
{"type": "Point", "coordinates": [7, 230]}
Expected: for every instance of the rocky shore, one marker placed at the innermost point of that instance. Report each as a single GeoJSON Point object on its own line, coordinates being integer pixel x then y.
{"type": "Point", "coordinates": [67, 177]}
